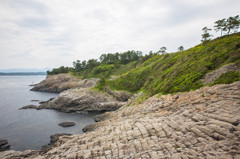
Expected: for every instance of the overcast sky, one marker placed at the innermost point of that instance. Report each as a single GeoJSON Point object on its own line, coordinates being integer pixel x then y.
{"type": "Point", "coordinates": [52, 33]}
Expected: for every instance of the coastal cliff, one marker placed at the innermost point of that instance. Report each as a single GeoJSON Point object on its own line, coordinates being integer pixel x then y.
{"type": "Point", "coordinates": [197, 124]}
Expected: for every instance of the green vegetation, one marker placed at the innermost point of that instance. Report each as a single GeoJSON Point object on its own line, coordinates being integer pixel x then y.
{"type": "Point", "coordinates": [162, 72]}
{"type": "Point", "coordinates": [180, 71]}
{"type": "Point", "coordinates": [227, 78]}
{"type": "Point", "coordinates": [61, 69]}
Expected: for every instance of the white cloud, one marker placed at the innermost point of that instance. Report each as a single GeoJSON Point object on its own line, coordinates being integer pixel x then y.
{"type": "Point", "coordinates": [38, 34]}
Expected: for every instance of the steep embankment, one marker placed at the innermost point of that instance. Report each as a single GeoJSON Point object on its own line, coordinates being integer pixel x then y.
{"type": "Point", "coordinates": [61, 82]}
{"type": "Point", "coordinates": [198, 124]}
{"type": "Point", "coordinates": [182, 71]}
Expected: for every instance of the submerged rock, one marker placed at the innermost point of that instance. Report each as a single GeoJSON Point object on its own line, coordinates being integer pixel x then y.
{"type": "Point", "coordinates": [67, 124]}
{"type": "Point", "coordinates": [4, 145]}
{"type": "Point", "coordinates": [29, 107]}
{"type": "Point", "coordinates": [34, 100]}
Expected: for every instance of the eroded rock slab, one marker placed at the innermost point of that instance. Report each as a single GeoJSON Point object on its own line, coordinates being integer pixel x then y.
{"type": "Point", "coordinates": [29, 107]}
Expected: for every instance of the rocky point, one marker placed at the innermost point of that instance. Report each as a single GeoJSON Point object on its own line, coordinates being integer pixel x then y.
{"type": "Point", "coordinates": [198, 124]}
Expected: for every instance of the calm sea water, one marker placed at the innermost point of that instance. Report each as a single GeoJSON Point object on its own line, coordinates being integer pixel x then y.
{"type": "Point", "coordinates": [30, 129]}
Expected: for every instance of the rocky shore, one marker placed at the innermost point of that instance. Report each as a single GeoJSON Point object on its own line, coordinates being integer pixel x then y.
{"type": "Point", "coordinates": [198, 124]}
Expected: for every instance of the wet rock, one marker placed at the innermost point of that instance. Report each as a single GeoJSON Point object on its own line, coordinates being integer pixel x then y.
{"type": "Point", "coordinates": [4, 145]}
{"type": "Point", "coordinates": [29, 107]}
{"type": "Point", "coordinates": [101, 117]}
{"type": "Point", "coordinates": [89, 128]}
{"type": "Point", "coordinates": [42, 102]}
{"type": "Point", "coordinates": [34, 100]}
{"type": "Point", "coordinates": [53, 138]}
{"type": "Point", "coordinates": [67, 124]}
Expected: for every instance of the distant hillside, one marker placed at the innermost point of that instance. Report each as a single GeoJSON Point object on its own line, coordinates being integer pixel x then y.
{"type": "Point", "coordinates": [22, 73]}
{"type": "Point", "coordinates": [27, 70]}
{"type": "Point", "coordinates": [182, 71]}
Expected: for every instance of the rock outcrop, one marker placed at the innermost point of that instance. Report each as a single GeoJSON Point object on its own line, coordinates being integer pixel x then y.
{"type": "Point", "coordinates": [4, 145]}
{"type": "Point", "coordinates": [67, 124]}
{"type": "Point", "coordinates": [61, 82]}
{"type": "Point", "coordinates": [199, 124]}
{"type": "Point", "coordinates": [29, 107]}
{"type": "Point", "coordinates": [212, 76]}
{"type": "Point", "coordinates": [82, 100]}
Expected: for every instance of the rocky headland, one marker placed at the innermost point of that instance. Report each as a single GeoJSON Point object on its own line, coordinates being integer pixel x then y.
{"type": "Point", "coordinates": [83, 100]}
{"type": "Point", "coordinates": [62, 82]}
{"type": "Point", "coordinates": [198, 124]}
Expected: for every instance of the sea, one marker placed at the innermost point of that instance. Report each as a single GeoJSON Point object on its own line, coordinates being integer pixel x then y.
{"type": "Point", "coordinates": [30, 129]}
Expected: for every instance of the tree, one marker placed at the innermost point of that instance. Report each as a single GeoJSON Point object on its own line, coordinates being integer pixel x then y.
{"type": "Point", "coordinates": [206, 36]}
{"type": "Point", "coordinates": [236, 23]}
{"type": "Point", "coordinates": [162, 50]}
{"type": "Point", "coordinates": [77, 65]}
{"type": "Point", "coordinates": [230, 25]}
{"type": "Point", "coordinates": [181, 48]}
{"type": "Point", "coordinates": [220, 24]}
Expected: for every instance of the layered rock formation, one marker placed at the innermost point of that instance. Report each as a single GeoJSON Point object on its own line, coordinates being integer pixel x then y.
{"type": "Point", "coordinates": [61, 82]}
{"type": "Point", "coordinates": [82, 100]}
{"type": "Point", "coordinates": [198, 124]}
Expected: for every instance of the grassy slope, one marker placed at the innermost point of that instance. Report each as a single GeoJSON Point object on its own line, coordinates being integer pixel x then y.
{"type": "Point", "coordinates": [180, 71]}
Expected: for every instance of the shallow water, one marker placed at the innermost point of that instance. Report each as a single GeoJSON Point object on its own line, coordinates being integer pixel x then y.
{"type": "Point", "coordinates": [30, 129]}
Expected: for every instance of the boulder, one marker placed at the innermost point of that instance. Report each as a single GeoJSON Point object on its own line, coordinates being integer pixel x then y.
{"type": "Point", "coordinates": [67, 124]}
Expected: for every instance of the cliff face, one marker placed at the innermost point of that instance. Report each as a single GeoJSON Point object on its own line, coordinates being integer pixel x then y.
{"type": "Point", "coordinates": [198, 124]}
{"type": "Point", "coordinates": [61, 82]}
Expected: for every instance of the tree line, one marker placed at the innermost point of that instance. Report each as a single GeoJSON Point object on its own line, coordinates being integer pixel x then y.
{"type": "Point", "coordinates": [104, 59]}
{"type": "Point", "coordinates": [225, 26]}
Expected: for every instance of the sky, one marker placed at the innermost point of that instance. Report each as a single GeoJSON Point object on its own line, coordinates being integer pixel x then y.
{"type": "Point", "coordinates": [53, 33]}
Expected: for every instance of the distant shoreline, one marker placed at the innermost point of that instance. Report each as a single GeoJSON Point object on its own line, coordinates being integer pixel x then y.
{"type": "Point", "coordinates": [22, 73]}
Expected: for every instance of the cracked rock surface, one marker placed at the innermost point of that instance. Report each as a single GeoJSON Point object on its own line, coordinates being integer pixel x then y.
{"type": "Point", "coordinates": [197, 124]}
